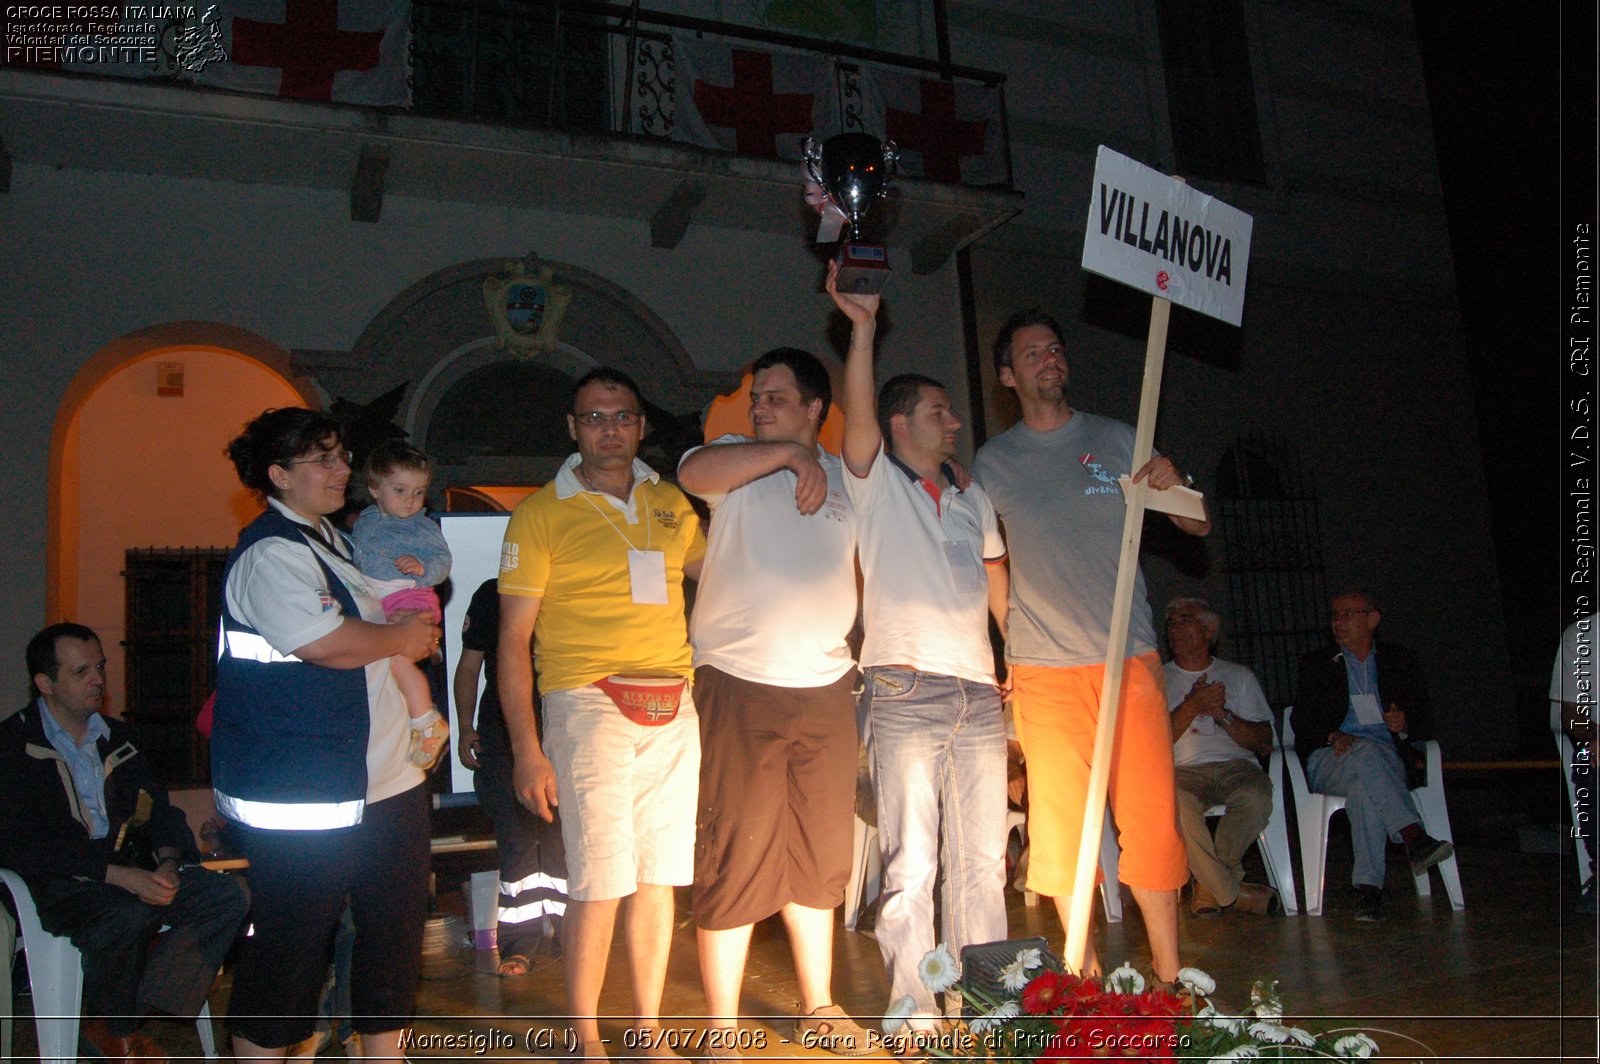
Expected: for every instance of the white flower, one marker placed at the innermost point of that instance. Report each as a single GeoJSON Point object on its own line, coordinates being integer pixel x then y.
{"type": "Point", "coordinates": [1239, 1053]}
{"type": "Point", "coordinates": [1125, 980]}
{"type": "Point", "coordinates": [938, 969]}
{"type": "Point", "coordinates": [896, 1017]}
{"type": "Point", "coordinates": [1267, 1031]}
{"type": "Point", "coordinates": [1014, 976]}
{"type": "Point", "coordinates": [1002, 1013]}
{"type": "Point", "coordinates": [1265, 1001]}
{"type": "Point", "coordinates": [1303, 1036]}
{"type": "Point", "coordinates": [1355, 1046]}
{"type": "Point", "coordinates": [1232, 1024]}
{"type": "Point", "coordinates": [1197, 981]}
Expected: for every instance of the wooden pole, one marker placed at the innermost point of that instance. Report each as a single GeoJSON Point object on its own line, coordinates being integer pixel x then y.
{"type": "Point", "coordinates": [1094, 807]}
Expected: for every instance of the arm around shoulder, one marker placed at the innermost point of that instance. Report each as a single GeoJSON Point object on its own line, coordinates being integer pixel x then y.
{"type": "Point", "coordinates": [720, 468]}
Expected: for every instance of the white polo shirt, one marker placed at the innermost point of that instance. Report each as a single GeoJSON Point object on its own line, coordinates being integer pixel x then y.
{"type": "Point", "coordinates": [1205, 740]}
{"type": "Point", "coordinates": [277, 588]}
{"type": "Point", "coordinates": [777, 594]}
{"type": "Point", "coordinates": [926, 594]}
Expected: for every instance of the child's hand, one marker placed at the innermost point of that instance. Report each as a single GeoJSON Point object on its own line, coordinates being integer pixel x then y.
{"type": "Point", "coordinates": [409, 565]}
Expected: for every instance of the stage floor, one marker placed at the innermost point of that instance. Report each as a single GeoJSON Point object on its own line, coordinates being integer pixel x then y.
{"type": "Point", "coordinates": [1513, 976]}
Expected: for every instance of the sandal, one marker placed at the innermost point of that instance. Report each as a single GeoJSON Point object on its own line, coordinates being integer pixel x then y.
{"type": "Point", "coordinates": [430, 734]}
{"type": "Point", "coordinates": [514, 965]}
{"type": "Point", "coordinates": [831, 1029]}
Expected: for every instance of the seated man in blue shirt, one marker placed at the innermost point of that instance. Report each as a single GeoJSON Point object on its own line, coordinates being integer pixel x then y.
{"type": "Point", "coordinates": [108, 860]}
{"type": "Point", "coordinates": [1357, 709]}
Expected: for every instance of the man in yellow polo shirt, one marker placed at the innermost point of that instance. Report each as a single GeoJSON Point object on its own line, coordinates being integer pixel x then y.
{"type": "Point", "coordinates": [592, 570]}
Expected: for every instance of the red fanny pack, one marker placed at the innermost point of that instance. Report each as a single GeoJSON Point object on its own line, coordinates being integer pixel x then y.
{"type": "Point", "coordinates": [648, 700]}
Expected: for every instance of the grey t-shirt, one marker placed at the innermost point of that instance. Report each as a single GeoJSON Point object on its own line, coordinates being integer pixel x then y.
{"type": "Point", "coordinates": [1057, 494]}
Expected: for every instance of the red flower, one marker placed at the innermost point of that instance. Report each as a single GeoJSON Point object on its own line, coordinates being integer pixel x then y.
{"type": "Point", "coordinates": [1042, 994]}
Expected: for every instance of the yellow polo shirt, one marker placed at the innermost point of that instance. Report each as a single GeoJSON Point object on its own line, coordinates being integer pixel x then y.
{"type": "Point", "coordinates": [569, 546]}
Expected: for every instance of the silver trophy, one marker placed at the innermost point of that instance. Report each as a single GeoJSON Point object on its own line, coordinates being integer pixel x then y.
{"type": "Point", "coordinates": [853, 170]}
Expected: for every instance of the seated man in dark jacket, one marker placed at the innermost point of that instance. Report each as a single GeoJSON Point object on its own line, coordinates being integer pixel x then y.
{"type": "Point", "coordinates": [1357, 709]}
{"type": "Point", "coordinates": [108, 859]}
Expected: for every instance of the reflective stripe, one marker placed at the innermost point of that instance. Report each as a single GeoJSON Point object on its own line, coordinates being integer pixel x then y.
{"type": "Point", "coordinates": [290, 816]}
{"type": "Point", "coordinates": [248, 646]}
{"type": "Point", "coordinates": [521, 914]}
{"type": "Point", "coordinates": [533, 882]}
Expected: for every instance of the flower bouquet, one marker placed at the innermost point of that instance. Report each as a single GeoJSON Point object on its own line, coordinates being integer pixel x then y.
{"type": "Point", "coordinates": [1035, 1011]}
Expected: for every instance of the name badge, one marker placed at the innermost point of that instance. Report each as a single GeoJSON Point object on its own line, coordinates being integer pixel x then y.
{"type": "Point", "coordinates": [1366, 707]}
{"type": "Point", "coordinates": [964, 569]}
{"type": "Point", "coordinates": [647, 573]}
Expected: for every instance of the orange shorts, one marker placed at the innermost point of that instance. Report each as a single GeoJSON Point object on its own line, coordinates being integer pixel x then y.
{"type": "Point", "coordinates": [1056, 710]}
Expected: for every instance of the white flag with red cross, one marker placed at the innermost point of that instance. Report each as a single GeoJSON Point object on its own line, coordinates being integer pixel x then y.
{"type": "Point", "coordinates": [945, 130]}
{"type": "Point", "coordinates": [347, 51]}
{"type": "Point", "coordinates": [750, 101]}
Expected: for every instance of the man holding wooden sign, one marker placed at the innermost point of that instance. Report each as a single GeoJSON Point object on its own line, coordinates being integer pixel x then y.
{"type": "Point", "coordinates": [1053, 480]}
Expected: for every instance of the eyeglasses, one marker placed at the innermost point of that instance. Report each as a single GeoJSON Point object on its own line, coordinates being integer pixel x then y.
{"type": "Point", "coordinates": [1345, 615]}
{"type": "Point", "coordinates": [328, 460]}
{"type": "Point", "coordinates": [595, 418]}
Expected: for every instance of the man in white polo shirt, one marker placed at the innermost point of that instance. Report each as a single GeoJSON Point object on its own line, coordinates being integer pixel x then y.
{"type": "Point", "coordinates": [934, 569]}
{"type": "Point", "coordinates": [1221, 727]}
{"type": "Point", "coordinates": [772, 681]}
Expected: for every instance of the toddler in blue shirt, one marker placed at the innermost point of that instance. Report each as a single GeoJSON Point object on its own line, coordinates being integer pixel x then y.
{"type": "Point", "coordinates": [403, 555]}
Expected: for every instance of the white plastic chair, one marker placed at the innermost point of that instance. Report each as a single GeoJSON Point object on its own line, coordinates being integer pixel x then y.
{"type": "Point", "coordinates": [1314, 812]}
{"type": "Point", "coordinates": [1110, 888]}
{"type": "Point", "coordinates": [1274, 838]}
{"type": "Point", "coordinates": [55, 970]}
{"type": "Point", "coordinates": [1585, 868]}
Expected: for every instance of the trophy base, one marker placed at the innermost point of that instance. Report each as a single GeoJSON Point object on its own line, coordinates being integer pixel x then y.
{"type": "Point", "coordinates": [863, 268]}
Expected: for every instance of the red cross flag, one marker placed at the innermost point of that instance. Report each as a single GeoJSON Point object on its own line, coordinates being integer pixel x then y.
{"type": "Point", "coordinates": [749, 101]}
{"type": "Point", "coordinates": [349, 51]}
{"type": "Point", "coordinates": [945, 130]}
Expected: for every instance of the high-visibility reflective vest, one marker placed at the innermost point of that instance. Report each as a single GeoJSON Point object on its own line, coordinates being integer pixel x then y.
{"type": "Point", "coordinates": [289, 740]}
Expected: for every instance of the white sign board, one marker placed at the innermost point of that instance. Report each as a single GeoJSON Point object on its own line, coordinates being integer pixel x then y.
{"type": "Point", "coordinates": [474, 541]}
{"type": "Point", "coordinates": [1159, 235]}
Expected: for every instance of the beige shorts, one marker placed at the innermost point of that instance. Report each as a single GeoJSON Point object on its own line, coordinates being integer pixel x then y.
{"type": "Point", "coordinates": [628, 793]}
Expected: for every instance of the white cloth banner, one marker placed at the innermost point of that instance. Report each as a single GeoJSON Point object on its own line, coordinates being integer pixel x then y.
{"type": "Point", "coordinates": [750, 101]}
{"type": "Point", "coordinates": [348, 51]}
{"type": "Point", "coordinates": [945, 130]}
{"type": "Point", "coordinates": [1159, 235]}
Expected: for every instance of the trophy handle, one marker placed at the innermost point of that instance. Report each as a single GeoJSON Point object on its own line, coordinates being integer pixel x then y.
{"type": "Point", "coordinates": [891, 163]}
{"type": "Point", "coordinates": [812, 152]}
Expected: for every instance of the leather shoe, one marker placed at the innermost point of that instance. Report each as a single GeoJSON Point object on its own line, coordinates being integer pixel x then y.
{"type": "Point", "coordinates": [1203, 903]}
{"type": "Point", "coordinates": [1259, 899]}
{"type": "Point", "coordinates": [1427, 851]}
{"type": "Point", "coordinates": [135, 1048]}
{"type": "Point", "coordinates": [1369, 904]}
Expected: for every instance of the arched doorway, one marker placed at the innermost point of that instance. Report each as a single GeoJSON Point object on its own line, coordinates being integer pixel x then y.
{"type": "Point", "coordinates": [136, 461]}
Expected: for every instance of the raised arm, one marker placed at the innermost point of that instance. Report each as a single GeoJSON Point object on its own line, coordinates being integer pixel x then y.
{"type": "Point", "coordinates": [720, 468]}
{"type": "Point", "coordinates": [533, 777]}
{"type": "Point", "coordinates": [862, 437]}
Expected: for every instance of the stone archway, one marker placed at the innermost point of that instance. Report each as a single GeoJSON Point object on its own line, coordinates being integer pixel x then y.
{"type": "Point", "coordinates": [492, 415]}
{"type": "Point", "coordinates": [203, 339]}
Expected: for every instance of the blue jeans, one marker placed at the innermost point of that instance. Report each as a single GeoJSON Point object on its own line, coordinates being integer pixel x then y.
{"type": "Point", "coordinates": [936, 746]}
{"type": "Point", "coordinates": [1372, 780]}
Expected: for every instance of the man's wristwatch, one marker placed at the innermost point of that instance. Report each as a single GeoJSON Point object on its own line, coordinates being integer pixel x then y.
{"type": "Point", "coordinates": [1228, 717]}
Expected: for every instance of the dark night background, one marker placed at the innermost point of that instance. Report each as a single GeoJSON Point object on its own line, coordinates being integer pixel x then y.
{"type": "Point", "coordinates": [1517, 165]}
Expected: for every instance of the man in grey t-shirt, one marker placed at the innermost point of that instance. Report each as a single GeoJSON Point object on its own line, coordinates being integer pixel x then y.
{"type": "Point", "coordinates": [1053, 480]}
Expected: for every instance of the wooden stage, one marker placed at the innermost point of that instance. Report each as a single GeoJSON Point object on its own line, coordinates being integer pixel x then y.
{"type": "Point", "coordinates": [1512, 977]}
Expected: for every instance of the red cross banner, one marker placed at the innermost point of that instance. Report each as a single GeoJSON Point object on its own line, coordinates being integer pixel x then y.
{"type": "Point", "coordinates": [348, 51]}
{"type": "Point", "coordinates": [750, 101]}
{"type": "Point", "coordinates": [946, 131]}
